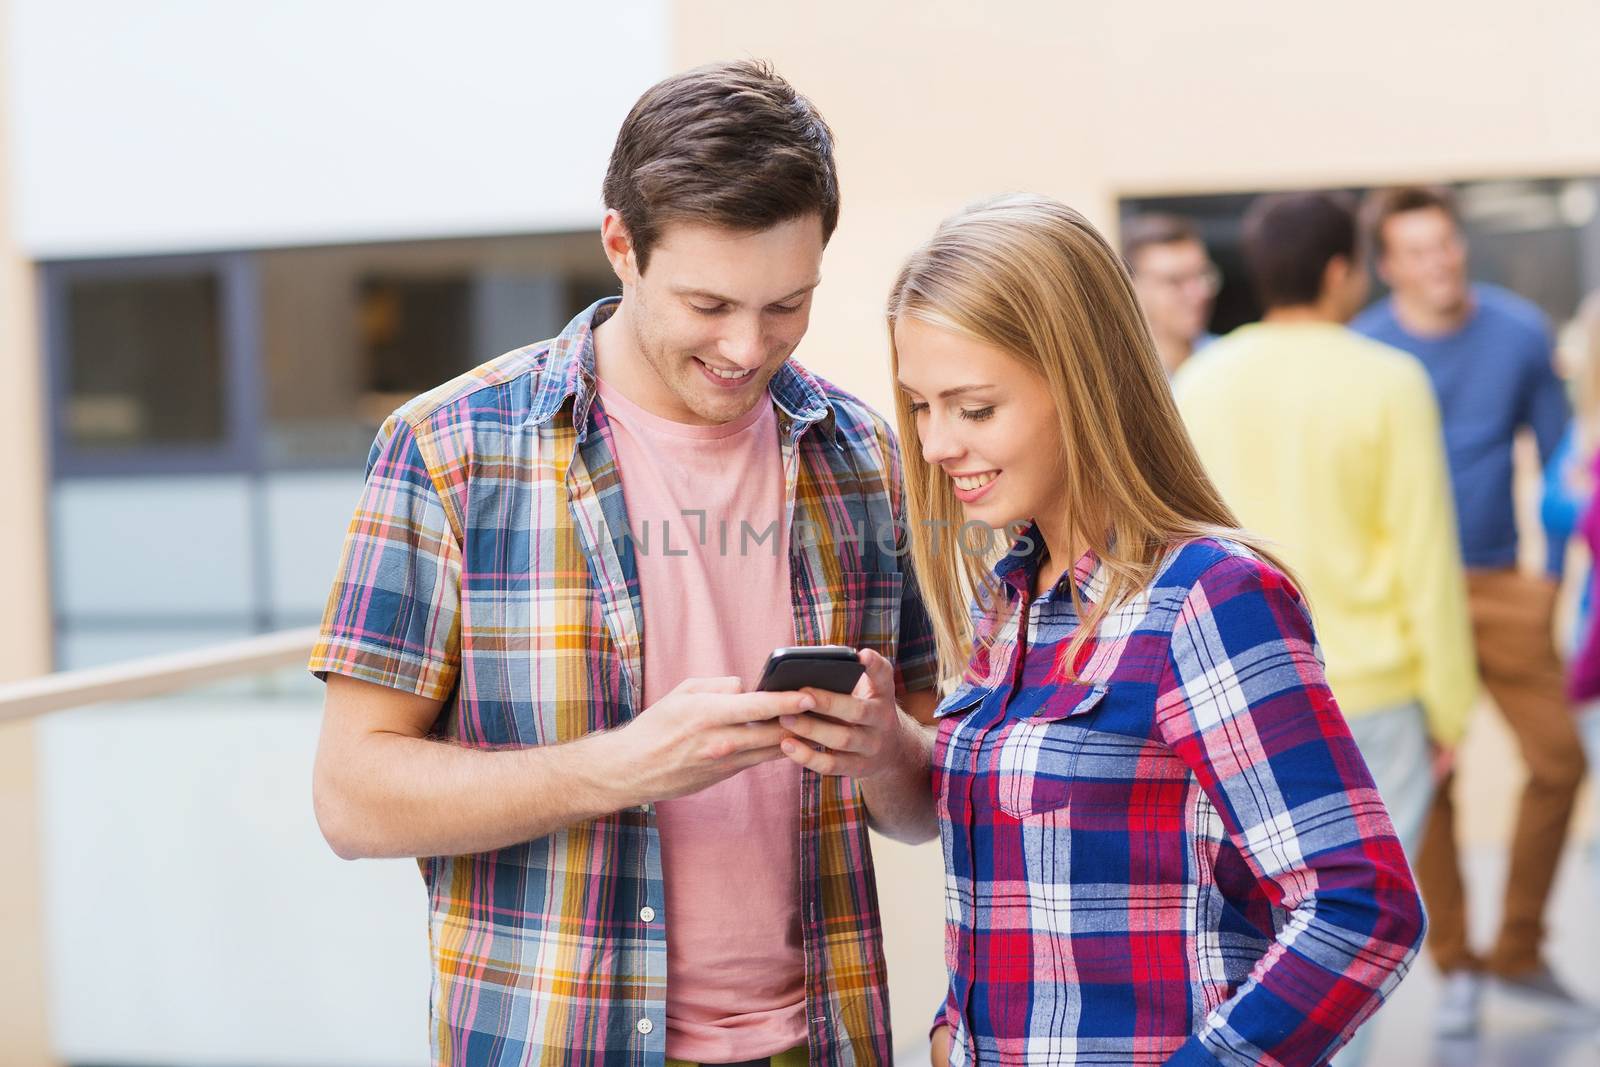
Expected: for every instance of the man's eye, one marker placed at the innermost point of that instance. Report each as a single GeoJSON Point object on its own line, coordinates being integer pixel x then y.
{"type": "Point", "coordinates": [714, 309]}
{"type": "Point", "coordinates": [788, 309]}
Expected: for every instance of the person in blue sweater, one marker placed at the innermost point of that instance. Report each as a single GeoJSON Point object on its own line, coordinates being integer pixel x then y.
{"type": "Point", "coordinates": [1488, 353]}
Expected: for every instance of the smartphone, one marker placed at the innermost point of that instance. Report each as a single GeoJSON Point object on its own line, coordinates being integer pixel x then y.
{"type": "Point", "coordinates": [835, 668]}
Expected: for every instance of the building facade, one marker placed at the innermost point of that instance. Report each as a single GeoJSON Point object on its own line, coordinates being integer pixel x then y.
{"type": "Point", "coordinates": [233, 236]}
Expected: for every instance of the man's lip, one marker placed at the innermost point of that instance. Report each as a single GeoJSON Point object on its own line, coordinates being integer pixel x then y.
{"type": "Point", "coordinates": [724, 383]}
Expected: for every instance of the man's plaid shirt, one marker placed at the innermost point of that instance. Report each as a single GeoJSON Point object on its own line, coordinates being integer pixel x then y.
{"type": "Point", "coordinates": [490, 565]}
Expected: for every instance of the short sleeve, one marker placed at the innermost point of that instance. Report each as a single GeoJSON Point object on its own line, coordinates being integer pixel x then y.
{"type": "Point", "coordinates": [394, 614]}
{"type": "Point", "coordinates": [916, 664]}
{"type": "Point", "coordinates": [916, 658]}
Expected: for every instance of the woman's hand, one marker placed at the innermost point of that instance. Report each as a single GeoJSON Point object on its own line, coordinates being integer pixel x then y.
{"type": "Point", "coordinates": [861, 733]}
{"type": "Point", "coordinates": [939, 1054]}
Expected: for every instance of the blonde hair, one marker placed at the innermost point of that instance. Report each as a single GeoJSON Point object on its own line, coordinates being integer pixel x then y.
{"type": "Point", "coordinates": [1032, 277]}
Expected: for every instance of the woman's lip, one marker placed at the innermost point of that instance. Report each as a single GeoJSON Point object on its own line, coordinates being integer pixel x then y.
{"type": "Point", "coordinates": [971, 496]}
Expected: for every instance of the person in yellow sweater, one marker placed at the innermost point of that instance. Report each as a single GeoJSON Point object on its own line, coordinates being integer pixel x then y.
{"type": "Point", "coordinates": [1329, 444]}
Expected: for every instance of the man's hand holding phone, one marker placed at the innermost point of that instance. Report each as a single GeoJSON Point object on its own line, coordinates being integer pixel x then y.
{"type": "Point", "coordinates": [701, 733]}
{"type": "Point", "coordinates": [860, 733]}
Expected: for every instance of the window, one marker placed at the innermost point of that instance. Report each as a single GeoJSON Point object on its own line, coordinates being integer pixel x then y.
{"type": "Point", "coordinates": [147, 368]}
{"type": "Point", "coordinates": [351, 333]}
{"type": "Point", "coordinates": [211, 415]}
{"type": "Point", "coordinates": [146, 362]}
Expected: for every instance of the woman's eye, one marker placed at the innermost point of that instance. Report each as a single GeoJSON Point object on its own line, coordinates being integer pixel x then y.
{"type": "Point", "coordinates": [977, 414]}
{"type": "Point", "coordinates": [917, 407]}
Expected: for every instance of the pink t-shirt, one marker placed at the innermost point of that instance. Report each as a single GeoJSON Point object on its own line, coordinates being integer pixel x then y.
{"type": "Point", "coordinates": [716, 602]}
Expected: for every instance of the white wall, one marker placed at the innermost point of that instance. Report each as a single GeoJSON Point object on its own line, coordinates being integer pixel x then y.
{"type": "Point", "coordinates": [190, 124]}
{"type": "Point", "coordinates": [195, 914]}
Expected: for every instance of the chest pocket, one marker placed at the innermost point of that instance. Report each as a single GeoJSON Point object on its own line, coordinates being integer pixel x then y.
{"type": "Point", "coordinates": [866, 611]}
{"type": "Point", "coordinates": [962, 700]}
{"type": "Point", "coordinates": [1037, 757]}
{"type": "Point", "coordinates": [952, 711]}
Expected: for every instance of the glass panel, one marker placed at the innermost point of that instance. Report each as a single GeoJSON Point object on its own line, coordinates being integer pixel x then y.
{"type": "Point", "coordinates": [413, 330]}
{"type": "Point", "coordinates": [351, 333]}
{"type": "Point", "coordinates": [190, 903]}
{"type": "Point", "coordinates": [145, 363]}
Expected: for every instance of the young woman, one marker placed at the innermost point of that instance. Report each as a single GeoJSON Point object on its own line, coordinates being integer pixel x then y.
{"type": "Point", "coordinates": [1161, 844]}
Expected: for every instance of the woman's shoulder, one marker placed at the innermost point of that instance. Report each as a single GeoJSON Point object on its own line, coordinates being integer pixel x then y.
{"type": "Point", "coordinates": [1218, 568]}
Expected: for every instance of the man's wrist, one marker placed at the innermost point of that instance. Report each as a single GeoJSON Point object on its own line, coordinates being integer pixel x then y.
{"type": "Point", "coordinates": [594, 765]}
{"type": "Point", "coordinates": [911, 748]}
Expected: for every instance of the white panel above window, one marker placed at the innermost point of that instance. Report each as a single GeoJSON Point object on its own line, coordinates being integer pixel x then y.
{"type": "Point", "coordinates": [191, 124]}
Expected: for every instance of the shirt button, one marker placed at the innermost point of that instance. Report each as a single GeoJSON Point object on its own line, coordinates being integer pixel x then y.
{"type": "Point", "coordinates": [647, 914]}
{"type": "Point", "coordinates": [645, 1026]}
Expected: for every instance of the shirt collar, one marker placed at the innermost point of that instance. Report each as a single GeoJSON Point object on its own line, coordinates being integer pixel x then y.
{"type": "Point", "coordinates": [1019, 567]}
{"type": "Point", "coordinates": [570, 373]}
{"type": "Point", "coordinates": [802, 398]}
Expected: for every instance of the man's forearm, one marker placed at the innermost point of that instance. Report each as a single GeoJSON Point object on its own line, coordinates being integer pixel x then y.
{"type": "Point", "coordinates": [389, 795]}
{"type": "Point", "coordinates": [900, 800]}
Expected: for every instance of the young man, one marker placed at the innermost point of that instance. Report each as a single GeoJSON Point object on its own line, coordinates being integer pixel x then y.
{"type": "Point", "coordinates": [1329, 444]}
{"type": "Point", "coordinates": [560, 586]}
{"type": "Point", "coordinates": [1488, 354]}
{"type": "Point", "coordinates": [1176, 283]}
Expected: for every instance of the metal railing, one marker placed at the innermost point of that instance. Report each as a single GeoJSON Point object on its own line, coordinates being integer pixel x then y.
{"type": "Point", "coordinates": [152, 676]}
{"type": "Point", "coordinates": [188, 775]}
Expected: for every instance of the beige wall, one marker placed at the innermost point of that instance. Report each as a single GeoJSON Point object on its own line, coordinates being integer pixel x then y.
{"type": "Point", "coordinates": [935, 103]}
{"type": "Point", "coordinates": [24, 646]}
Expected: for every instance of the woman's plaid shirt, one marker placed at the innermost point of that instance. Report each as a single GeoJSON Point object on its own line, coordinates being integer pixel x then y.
{"type": "Point", "coordinates": [1169, 851]}
{"type": "Point", "coordinates": [490, 565]}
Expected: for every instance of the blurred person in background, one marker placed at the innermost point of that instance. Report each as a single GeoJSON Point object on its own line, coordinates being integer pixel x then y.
{"type": "Point", "coordinates": [1581, 355]}
{"type": "Point", "coordinates": [1488, 354]}
{"type": "Point", "coordinates": [1569, 485]}
{"type": "Point", "coordinates": [1176, 282]}
{"type": "Point", "coordinates": [630, 858]}
{"type": "Point", "coordinates": [1161, 843]}
{"type": "Point", "coordinates": [1328, 444]}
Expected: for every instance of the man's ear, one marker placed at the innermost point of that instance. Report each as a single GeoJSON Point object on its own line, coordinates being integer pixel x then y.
{"type": "Point", "coordinates": [1380, 267]}
{"type": "Point", "coordinates": [1383, 275]}
{"type": "Point", "coordinates": [618, 245]}
{"type": "Point", "coordinates": [1335, 275]}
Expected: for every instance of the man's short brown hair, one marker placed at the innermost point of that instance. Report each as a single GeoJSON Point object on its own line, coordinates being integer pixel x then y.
{"type": "Point", "coordinates": [1289, 240]}
{"type": "Point", "coordinates": [1381, 205]}
{"type": "Point", "coordinates": [731, 144]}
{"type": "Point", "coordinates": [1143, 231]}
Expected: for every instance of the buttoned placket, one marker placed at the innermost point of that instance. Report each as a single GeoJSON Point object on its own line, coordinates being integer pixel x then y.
{"type": "Point", "coordinates": [993, 719]}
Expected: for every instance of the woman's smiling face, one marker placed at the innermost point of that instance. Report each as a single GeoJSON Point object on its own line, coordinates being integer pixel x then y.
{"type": "Point", "coordinates": [986, 419]}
